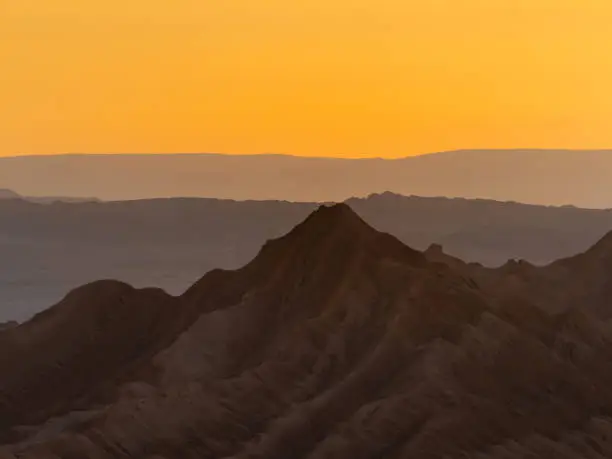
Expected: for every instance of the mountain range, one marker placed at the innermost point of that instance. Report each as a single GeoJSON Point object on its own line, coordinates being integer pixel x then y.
{"type": "Point", "coordinates": [50, 249]}
{"type": "Point", "coordinates": [335, 341]}
{"type": "Point", "coordinates": [10, 194]}
{"type": "Point", "coordinates": [547, 177]}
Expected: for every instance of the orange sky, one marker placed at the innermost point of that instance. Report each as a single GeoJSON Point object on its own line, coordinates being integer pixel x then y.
{"type": "Point", "coordinates": [318, 77]}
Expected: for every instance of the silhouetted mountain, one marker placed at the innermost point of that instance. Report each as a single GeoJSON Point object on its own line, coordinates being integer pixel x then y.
{"type": "Point", "coordinates": [170, 242]}
{"type": "Point", "coordinates": [580, 282]}
{"type": "Point", "coordinates": [548, 177]}
{"type": "Point", "coordinates": [59, 341]}
{"type": "Point", "coordinates": [335, 341]}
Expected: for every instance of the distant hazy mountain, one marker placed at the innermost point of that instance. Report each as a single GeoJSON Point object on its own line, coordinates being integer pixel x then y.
{"type": "Point", "coordinates": [49, 249]}
{"type": "Point", "coordinates": [52, 199]}
{"type": "Point", "coordinates": [549, 177]}
{"type": "Point", "coordinates": [10, 194]}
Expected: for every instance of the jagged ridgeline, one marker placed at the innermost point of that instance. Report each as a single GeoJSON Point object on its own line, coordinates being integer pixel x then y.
{"type": "Point", "coordinates": [336, 341]}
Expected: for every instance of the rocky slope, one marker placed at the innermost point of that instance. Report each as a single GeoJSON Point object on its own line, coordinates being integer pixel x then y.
{"type": "Point", "coordinates": [581, 282]}
{"type": "Point", "coordinates": [336, 341]}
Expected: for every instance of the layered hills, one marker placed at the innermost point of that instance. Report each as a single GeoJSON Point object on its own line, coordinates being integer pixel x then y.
{"type": "Point", "coordinates": [12, 195]}
{"type": "Point", "coordinates": [546, 177]}
{"type": "Point", "coordinates": [169, 242]}
{"type": "Point", "coordinates": [335, 341]}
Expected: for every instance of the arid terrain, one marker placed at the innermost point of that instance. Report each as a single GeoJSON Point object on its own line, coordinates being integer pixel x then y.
{"type": "Point", "coordinates": [335, 341]}
{"type": "Point", "coordinates": [169, 243]}
{"type": "Point", "coordinates": [322, 229]}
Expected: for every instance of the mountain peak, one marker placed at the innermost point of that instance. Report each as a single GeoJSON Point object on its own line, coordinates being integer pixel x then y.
{"type": "Point", "coordinates": [332, 215]}
{"type": "Point", "coordinates": [334, 221]}
{"type": "Point", "coordinates": [334, 232]}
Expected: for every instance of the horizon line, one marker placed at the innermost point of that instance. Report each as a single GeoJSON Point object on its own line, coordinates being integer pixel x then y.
{"type": "Point", "coordinates": [292, 155]}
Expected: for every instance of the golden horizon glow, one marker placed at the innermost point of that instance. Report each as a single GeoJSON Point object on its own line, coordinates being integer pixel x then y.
{"type": "Point", "coordinates": [346, 78]}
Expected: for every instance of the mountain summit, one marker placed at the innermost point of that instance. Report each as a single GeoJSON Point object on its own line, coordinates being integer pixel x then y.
{"type": "Point", "coordinates": [333, 231]}
{"type": "Point", "coordinates": [336, 341]}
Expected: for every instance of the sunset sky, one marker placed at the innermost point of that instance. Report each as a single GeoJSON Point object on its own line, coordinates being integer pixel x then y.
{"type": "Point", "coordinates": [346, 78]}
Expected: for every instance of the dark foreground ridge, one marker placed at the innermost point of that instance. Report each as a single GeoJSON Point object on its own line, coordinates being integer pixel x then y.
{"type": "Point", "coordinates": [336, 341]}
